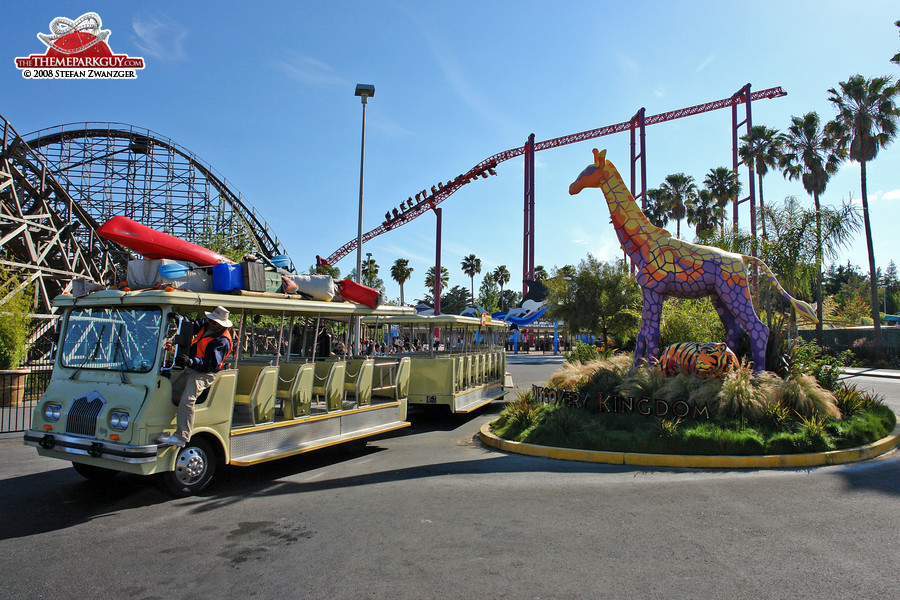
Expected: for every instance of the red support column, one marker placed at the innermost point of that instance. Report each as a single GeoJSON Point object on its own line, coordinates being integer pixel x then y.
{"type": "Point", "coordinates": [638, 121]}
{"type": "Point", "coordinates": [743, 93]}
{"type": "Point", "coordinates": [528, 242]}
{"type": "Point", "coordinates": [437, 263]}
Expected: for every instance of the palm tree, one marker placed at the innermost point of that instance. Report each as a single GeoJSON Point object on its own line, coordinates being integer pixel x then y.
{"type": "Point", "coordinates": [540, 273]}
{"type": "Point", "coordinates": [429, 278]}
{"type": "Point", "coordinates": [760, 152]}
{"type": "Point", "coordinates": [866, 122]}
{"type": "Point", "coordinates": [680, 189]}
{"type": "Point", "coordinates": [401, 272]}
{"type": "Point", "coordinates": [471, 266]}
{"type": "Point", "coordinates": [724, 186]}
{"type": "Point", "coordinates": [795, 243]}
{"type": "Point", "coordinates": [657, 211]}
{"type": "Point", "coordinates": [501, 276]}
{"type": "Point", "coordinates": [896, 59]}
{"type": "Point", "coordinates": [807, 155]}
{"type": "Point", "coordinates": [369, 270]}
{"type": "Point", "coordinates": [704, 213]}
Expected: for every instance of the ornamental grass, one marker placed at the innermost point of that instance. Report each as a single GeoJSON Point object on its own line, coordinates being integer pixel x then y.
{"type": "Point", "coordinates": [750, 413]}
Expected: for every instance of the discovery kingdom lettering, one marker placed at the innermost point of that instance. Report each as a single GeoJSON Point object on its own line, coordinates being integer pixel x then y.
{"type": "Point", "coordinates": [618, 405]}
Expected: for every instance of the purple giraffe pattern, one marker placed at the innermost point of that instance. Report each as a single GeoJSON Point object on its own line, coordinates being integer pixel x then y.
{"type": "Point", "coordinates": [667, 266]}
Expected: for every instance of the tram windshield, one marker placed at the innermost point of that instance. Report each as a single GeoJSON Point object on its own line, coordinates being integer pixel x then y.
{"type": "Point", "coordinates": [117, 339]}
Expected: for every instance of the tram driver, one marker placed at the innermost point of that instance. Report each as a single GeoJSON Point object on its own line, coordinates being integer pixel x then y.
{"type": "Point", "coordinates": [211, 345]}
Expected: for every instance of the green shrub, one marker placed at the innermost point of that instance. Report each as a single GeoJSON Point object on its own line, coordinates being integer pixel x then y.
{"type": "Point", "coordinates": [689, 320]}
{"type": "Point", "coordinates": [582, 353]}
{"type": "Point", "coordinates": [807, 358]}
{"type": "Point", "coordinates": [15, 321]}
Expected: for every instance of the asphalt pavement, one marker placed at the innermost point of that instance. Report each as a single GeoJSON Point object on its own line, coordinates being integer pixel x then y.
{"type": "Point", "coordinates": [428, 512]}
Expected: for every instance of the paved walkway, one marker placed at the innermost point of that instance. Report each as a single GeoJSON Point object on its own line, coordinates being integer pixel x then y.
{"type": "Point", "coordinates": [873, 372]}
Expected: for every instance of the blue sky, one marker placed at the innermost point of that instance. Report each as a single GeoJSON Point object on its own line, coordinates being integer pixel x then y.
{"type": "Point", "coordinates": [264, 93]}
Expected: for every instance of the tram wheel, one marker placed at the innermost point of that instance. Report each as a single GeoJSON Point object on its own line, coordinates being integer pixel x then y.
{"type": "Point", "coordinates": [195, 466]}
{"type": "Point", "coordinates": [94, 473]}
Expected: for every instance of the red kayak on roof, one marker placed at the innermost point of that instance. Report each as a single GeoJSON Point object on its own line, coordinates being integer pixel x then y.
{"type": "Point", "coordinates": [152, 244]}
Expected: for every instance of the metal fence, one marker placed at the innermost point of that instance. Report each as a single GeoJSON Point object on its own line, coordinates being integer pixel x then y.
{"type": "Point", "coordinates": [861, 340]}
{"type": "Point", "coordinates": [15, 406]}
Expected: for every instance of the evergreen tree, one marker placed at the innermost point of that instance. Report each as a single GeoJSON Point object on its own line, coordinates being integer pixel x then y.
{"type": "Point", "coordinates": [489, 294]}
{"type": "Point", "coordinates": [603, 299]}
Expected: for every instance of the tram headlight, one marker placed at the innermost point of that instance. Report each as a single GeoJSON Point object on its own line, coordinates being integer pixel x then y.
{"type": "Point", "coordinates": [118, 419]}
{"type": "Point", "coordinates": [52, 411]}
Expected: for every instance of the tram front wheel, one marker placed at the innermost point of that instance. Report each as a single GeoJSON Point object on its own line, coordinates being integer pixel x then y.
{"type": "Point", "coordinates": [195, 466]}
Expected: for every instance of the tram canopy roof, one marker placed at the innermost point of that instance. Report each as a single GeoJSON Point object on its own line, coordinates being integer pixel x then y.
{"type": "Point", "coordinates": [255, 302]}
{"type": "Point", "coordinates": [432, 321]}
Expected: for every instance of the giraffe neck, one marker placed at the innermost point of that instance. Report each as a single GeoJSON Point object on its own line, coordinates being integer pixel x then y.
{"type": "Point", "coordinates": [632, 226]}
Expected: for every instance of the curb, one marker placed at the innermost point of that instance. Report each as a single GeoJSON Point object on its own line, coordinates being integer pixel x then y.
{"type": "Point", "coordinates": [769, 461]}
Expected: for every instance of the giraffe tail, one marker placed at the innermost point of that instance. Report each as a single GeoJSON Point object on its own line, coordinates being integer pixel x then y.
{"type": "Point", "coordinates": [803, 309]}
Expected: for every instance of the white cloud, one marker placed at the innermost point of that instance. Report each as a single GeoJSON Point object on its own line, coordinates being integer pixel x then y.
{"type": "Point", "coordinates": [404, 252]}
{"type": "Point", "coordinates": [391, 128]}
{"type": "Point", "coordinates": [706, 62]}
{"type": "Point", "coordinates": [891, 195]}
{"type": "Point", "coordinates": [626, 63]}
{"type": "Point", "coordinates": [160, 37]}
{"type": "Point", "coordinates": [309, 70]}
{"type": "Point", "coordinates": [455, 75]}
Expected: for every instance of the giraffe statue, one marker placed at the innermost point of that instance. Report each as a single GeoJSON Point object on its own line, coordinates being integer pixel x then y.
{"type": "Point", "coordinates": [667, 266]}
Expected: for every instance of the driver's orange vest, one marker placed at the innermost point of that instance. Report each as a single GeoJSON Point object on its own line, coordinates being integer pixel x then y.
{"type": "Point", "coordinates": [199, 344]}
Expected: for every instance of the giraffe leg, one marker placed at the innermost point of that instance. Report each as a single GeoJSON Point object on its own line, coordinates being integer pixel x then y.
{"type": "Point", "coordinates": [737, 301]}
{"type": "Point", "coordinates": [648, 338]}
{"type": "Point", "coordinates": [733, 329]}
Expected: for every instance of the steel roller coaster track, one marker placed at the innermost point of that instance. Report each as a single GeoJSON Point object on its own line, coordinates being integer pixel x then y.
{"type": "Point", "coordinates": [441, 192]}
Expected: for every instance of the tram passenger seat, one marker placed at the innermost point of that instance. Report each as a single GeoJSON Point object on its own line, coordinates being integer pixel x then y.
{"type": "Point", "coordinates": [259, 404]}
{"type": "Point", "coordinates": [329, 384]}
{"type": "Point", "coordinates": [358, 383]}
{"type": "Point", "coordinates": [295, 382]}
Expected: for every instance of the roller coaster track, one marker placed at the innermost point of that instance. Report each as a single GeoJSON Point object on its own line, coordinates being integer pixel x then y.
{"type": "Point", "coordinates": [46, 236]}
{"type": "Point", "coordinates": [115, 168]}
{"type": "Point", "coordinates": [437, 196]}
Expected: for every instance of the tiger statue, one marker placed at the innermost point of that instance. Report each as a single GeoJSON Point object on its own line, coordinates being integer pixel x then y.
{"type": "Point", "coordinates": [693, 358]}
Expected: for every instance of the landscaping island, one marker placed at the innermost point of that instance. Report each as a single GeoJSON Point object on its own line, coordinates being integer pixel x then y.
{"type": "Point", "coordinates": [599, 412]}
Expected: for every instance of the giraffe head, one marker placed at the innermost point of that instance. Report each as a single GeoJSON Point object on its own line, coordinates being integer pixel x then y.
{"type": "Point", "coordinates": [592, 175]}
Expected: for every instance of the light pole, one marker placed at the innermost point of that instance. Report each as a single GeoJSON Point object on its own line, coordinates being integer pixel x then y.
{"type": "Point", "coordinates": [364, 91]}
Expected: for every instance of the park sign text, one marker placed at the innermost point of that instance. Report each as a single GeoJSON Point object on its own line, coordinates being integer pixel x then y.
{"type": "Point", "coordinates": [619, 405]}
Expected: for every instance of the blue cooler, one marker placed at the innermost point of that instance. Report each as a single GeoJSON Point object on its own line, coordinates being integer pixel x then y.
{"type": "Point", "coordinates": [227, 277]}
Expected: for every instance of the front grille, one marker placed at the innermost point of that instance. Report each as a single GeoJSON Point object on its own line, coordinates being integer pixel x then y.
{"type": "Point", "coordinates": [83, 415]}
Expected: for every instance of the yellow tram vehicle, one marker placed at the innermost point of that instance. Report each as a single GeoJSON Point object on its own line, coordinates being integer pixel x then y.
{"type": "Point", "coordinates": [283, 391]}
{"type": "Point", "coordinates": [457, 361]}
